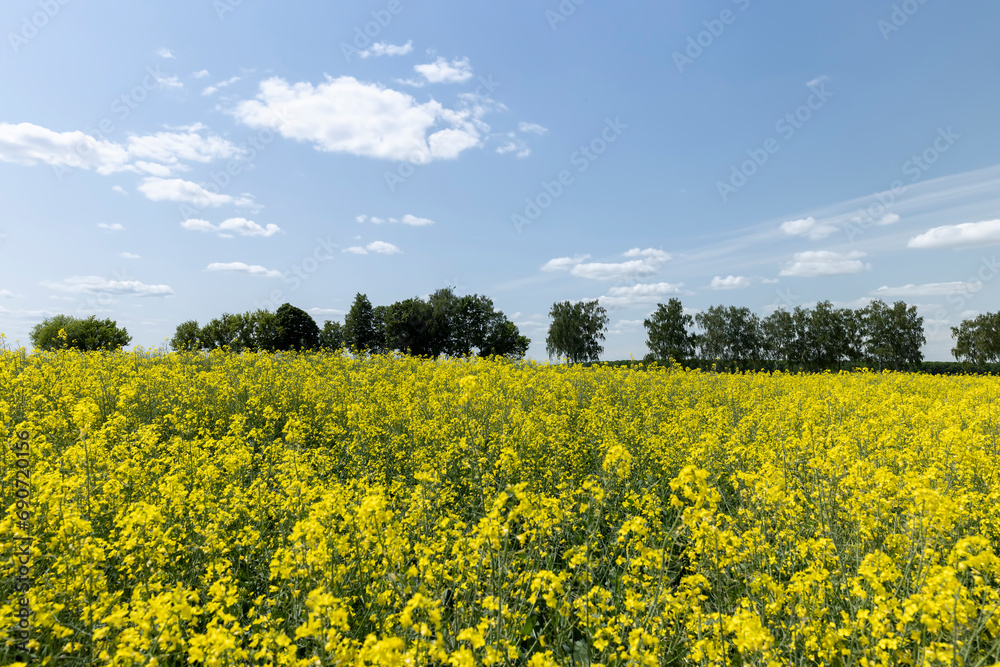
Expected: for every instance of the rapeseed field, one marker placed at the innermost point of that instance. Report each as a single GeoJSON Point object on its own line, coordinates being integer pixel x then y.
{"type": "Point", "coordinates": [319, 509]}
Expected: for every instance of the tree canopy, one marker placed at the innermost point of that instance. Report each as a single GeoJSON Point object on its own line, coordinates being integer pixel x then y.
{"type": "Point", "coordinates": [576, 331]}
{"type": "Point", "coordinates": [90, 334]}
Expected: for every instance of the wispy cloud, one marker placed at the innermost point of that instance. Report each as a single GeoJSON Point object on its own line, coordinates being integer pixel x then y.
{"type": "Point", "coordinates": [230, 227]}
{"type": "Point", "coordinates": [380, 247]}
{"type": "Point", "coordinates": [240, 267]}
{"type": "Point", "coordinates": [98, 285]}
{"type": "Point", "coordinates": [815, 263]}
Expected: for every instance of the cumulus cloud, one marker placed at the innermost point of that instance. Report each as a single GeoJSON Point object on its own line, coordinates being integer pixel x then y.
{"type": "Point", "coordinates": [385, 49]}
{"type": "Point", "coordinates": [824, 263]}
{"type": "Point", "coordinates": [930, 289]}
{"type": "Point", "coordinates": [6, 294]}
{"type": "Point", "coordinates": [442, 71]}
{"type": "Point", "coordinates": [344, 115]}
{"type": "Point", "coordinates": [98, 285]}
{"type": "Point", "coordinates": [956, 236]}
{"type": "Point", "coordinates": [177, 190]}
{"type": "Point", "coordinates": [809, 228]}
{"type": "Point", "coordinates": [164, 53]}
{"type": "Point", "coordinates": [227, 228]}
{"type": "Point", "coordinates": [240, 267]}
{"type": "Point", "coordinates": [201, 74]}
{"type": "Point", "coordinates": [158, 154]}
{"type": "Point", "coordinates": [113, 227]}
{"type": "Point", "coordinates": [380, 247]}
{"type": "Point", "coordinates": [729, 282]}
{"type": "Point", "coordinates": [648, 293]}
{"type": "Point", "coordinates": [648, 264]}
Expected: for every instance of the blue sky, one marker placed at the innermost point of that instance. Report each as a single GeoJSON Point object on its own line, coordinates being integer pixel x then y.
{"type": "Point", "coordinates": [161, 162]}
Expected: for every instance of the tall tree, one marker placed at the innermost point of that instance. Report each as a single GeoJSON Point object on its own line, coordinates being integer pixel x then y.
{"type": "Point", "coordinates": [297, 330]}
{"type": "Point", "coordinates": [576, 330]}
{"type": "Point", "coordinates": [667, 332]}
{"type": "Point", "coordinates": [90, 334]}
{"type": "Point", "coordinates": [712, 341]}
{"type": "Point", "coordinates": [778, 336]}
{"type": "Point", "coordinates": [363, 327]}
{"type": "Point", "coordinates": [893, 335]}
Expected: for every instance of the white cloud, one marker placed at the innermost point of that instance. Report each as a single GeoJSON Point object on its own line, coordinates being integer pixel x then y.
{"type": "Point", "coordinates": [6, 294]}
{"type": "Point", "coordinates": [648, 293]}
{"type": "Point", "coordinates": [177, 190]}
{"type": "Point", "coordinates": [201, 74]}
{"type": "Point", "coordinates": [29, 145]}
{"type": "Point", "coordinates": [532, 128]}
{"type": "Point", "coordinates": [211, 90]}
{"type": "Point", "coordinates": [564, 263]}
{"type": "Point", "coordinates": [930, 289]}
{"type": "Point", "coordinates": [169, 148]}
{"type": "Point", "coordinates": [113, 227]}
{"type": "Point", "coordinates": [226, 229]}
{"type": "Point", "coordinates": [514, 144]}
{"type": "Point", "coordinates": [383, 248]}
{"type": "Point", "coordinates": [240, 267]}
{"type": "Point", "coordinates": [327, 311]}
{"type": "Point", "coordinates": [824, 263]}
{"type": "Point", "coordinates": [408, 219]}
{"type": "Point", "coordinates": [164, 53]}
{"type": "Point", "coordinates": [808, 227]}
{"type": "Point", "coordinates": [889, 219]}
{"type": "Point", "coordinates": [648, 265]}
{"type": "Point", "coordinates": [954, 236]}
{"type": "Point", "coordinates": [729, 282]}
{"type": "Point", "coordinates": [244, 227]}
{"type": "Point", "coordinates": [119, 189]}
{"type": "Point", "coordinates": [384, 49]}
{"type": "Point", "coordinates": [414, 221]}
{"type": "Point", "coordinates": [441, 71]}
{"type": "Point", "coordinates": [98, 285]}
{"type": "Point", "coordinates": [345, 115]}
{"type": "Point", "coordinates": [128, 255]}
{"type": "Point", "coordinates": [169, 81]}
{"type": "Point", "coordinates": [157, 154]}
{"type": "Point", "coordinates": [380, 247]}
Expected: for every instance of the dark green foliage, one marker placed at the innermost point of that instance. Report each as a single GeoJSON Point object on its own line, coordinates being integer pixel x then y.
{"type": "Point", "coordinates": [88, 334]}
{"type": "Point", "coordinates": [296, 329]}
{"type": "Point", "coordinates": [331, 337]}
{"type": "Point", "coordinates": [668, 335]}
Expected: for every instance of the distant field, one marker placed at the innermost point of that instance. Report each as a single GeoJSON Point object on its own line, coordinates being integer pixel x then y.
{"type": "Point", "coordinates": [313, 509]}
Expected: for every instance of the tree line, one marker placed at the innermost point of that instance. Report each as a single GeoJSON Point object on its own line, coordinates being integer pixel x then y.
{"type": "Point", "coordinates": [879, 336]}
{"type": "Point", "coordinates": [443, 324]}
